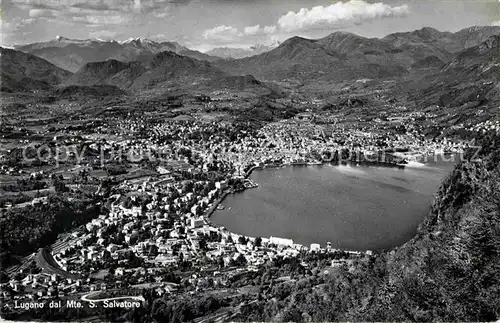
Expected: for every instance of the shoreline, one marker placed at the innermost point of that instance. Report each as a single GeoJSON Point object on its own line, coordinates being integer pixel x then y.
{"type": "Point", "coordinates": [217, 202]}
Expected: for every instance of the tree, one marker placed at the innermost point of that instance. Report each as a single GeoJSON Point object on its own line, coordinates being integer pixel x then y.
{"type": "Point", "coordinates": [153, 251]}
{"type": "Point", "coordinates": [106, 257]}
{"type": "Point", "coordinates": [242, 240]}
{"type": "Point", "coordinates": [240, 261]}
{"type": "Point", "coordinates": [188, 187]}
{"type": "Point", "coordinates": [58, 182]}
{"type": "Point", "coordinates": [203, 243]}
{"type": "Point", "coordinates": [292, 315]}
{"type": "Point", "coordinates": [4, 277]}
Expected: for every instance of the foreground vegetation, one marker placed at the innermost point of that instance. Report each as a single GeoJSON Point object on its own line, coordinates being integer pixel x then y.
{"type": "Point", "coordinates": [24, 230]}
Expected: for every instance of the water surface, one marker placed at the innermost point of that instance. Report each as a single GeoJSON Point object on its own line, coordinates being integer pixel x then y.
{"type": "Point", "coordinates": [355, 208]}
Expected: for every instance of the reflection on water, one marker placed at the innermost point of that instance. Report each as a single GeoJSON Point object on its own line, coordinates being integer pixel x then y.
{"type": "Point", "coordinates": [355, 208]}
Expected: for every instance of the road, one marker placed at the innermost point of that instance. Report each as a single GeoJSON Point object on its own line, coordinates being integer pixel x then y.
{"type": "Point", "coordinates": [46, 262]}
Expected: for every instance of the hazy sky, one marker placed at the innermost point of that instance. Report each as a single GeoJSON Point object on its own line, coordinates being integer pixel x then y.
{"type": "Point", "coordinates": [204, 24]}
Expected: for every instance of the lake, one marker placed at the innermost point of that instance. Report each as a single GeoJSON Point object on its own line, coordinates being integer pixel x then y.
{"type": "Point", "coordinates": [353, 207]}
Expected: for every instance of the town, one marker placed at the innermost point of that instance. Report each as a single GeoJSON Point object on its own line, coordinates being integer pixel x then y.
{"type": "Point", "coordinates": [158, 182]}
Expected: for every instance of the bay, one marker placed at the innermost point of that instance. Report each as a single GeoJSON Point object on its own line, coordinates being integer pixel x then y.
{"type": "Point", "coordinates": [353, 207]}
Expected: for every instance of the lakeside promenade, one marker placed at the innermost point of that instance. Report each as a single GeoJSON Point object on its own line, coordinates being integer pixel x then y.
{"type": "Point", "coordinates": [215, 204]}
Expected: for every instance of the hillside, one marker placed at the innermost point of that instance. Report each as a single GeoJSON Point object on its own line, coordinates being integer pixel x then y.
{"type": "Point", "coordinates": [483, 53]}
{"type": "Point", "coordinates": [431, 42]}
{"type": "Point", "coordinates": [342, 55]}
{"type": "Point", "coordinates": [468, 83]}
{"type": "Point", "coordinates": [423, 43]}
{"type": "Point", "coordinates": [457, 250]}
{"type": "Point", "coordinates": [163, 67]}
{"type": "Point", "coordinates": [428, 62]}
{"type": "Point", "coordinates": [73, 54]}
{"type": "Point", "coordinates": [75, 93]}
{"type": "Point", "coordinates": [98, 72]}
{"type": "Point", "coordinates": [165, 71]}
{"type": "Point", "coordinates": [168, 67]}
{"type": "Point", "coordinates": [333, 58]}
{"type": "Point", "coordinates": [25, 72]}
{"type": "Point", "coordinates": [473, 36]}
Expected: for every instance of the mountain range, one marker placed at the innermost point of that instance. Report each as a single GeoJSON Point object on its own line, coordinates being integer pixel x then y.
{"type": "Point", "coordinates": [162, 67]}
{"type": "Point", "coordinates": [164, 71]}
{"type": "Point", "coordinates": [343, 55]}
{"type": "Point", "coordinates": [470, 80]}
{"type": "Point", "coordinates": [73, 54]}
{"type": "Point", "coordinates": [338, 56]}
{"type": "Point", "coordinates": [433, 67]}
{"type": "Point", "coordinates": [235, 53]}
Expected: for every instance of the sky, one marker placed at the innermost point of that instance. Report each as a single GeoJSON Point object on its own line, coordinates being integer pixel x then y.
{"type": "Point", "coordinates": [205, 24]}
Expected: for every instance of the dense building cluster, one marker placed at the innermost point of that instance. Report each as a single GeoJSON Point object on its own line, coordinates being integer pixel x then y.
{"type": "Point", "coordinates": [162, 180]}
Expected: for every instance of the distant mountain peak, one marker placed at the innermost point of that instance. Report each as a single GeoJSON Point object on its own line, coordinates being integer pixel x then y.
{"type": "Point", "coordinates": [60, 38]}
{"type": "Point", "coordinates": [137, 40]}
{"type": "Point", "coordinates": [237, 53]}
{"type": "Point", "coordinates": [73, 54]}
{"type": "Point", "coordinates": [66, 40]}
{"type": "Point", "coordinates": [295, 40]}
{"type": "Point", "coordinates": [480, 28]}
{"type": "Point", "coordinates": [427, 32]}
{"type": "Point", "coordinates": [259, 47]}
{"type": "Point", "coordinates": [424, 33]}
{"type": "Point", "coordinates": [341, 35]}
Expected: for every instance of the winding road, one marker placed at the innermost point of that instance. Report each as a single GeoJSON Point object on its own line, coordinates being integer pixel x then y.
{"type": "Point", "coordinates": [46, 262]}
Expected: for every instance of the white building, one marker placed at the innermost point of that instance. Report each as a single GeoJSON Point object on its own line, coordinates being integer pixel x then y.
{"type": "Point", "coordinates": [281, 241]}
{"type": "Point", "coordinates": [196, 223]}
{"type": "Point", "coordinates": [315, 247]}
